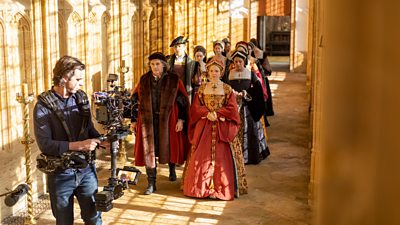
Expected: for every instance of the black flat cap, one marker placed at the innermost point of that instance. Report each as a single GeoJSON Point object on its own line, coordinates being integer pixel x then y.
{"type": "Point", "coordinates": [158, 55]}
{"type": "Point", "coordinates": [179, 40]}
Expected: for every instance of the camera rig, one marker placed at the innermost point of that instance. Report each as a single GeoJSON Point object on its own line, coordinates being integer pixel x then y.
{"type": "Point", "coordinates": [112, 107]}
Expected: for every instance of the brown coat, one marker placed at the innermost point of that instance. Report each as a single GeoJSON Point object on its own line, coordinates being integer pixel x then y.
{"type": "Point", "coordinates": [173, 146]}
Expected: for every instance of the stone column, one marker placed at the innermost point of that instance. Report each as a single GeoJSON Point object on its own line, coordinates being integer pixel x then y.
{"type": "Point", "coordinates": [12, 68]}
{"type": "Point", "coordinates": [50, 37]}
{"type": "Point", "coordinates": [147, 9]}
{"type": "Point", "coordinates": [94, 49]}
{"type": "Point", "coordinates": [38, 50]}
{"type": "Point", "coordinates": [166, 26]}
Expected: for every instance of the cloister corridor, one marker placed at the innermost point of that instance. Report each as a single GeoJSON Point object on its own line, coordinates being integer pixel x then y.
{"type": "Point", "coordinates": [278, 186]}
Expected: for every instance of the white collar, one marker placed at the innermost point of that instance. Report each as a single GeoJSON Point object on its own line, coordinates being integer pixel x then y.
{"type": "Point", "coordinates": [179, 58]}
{"type": "Point", "coordinates": [243, 75]}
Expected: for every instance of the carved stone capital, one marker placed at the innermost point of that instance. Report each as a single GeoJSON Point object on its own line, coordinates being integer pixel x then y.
{"type": "Point", "coordinates": [133, 9]}
{"type": "Point", "coordinates": [76, 18]}
{"type": "Point", "coordinates": [147, 9]}
{"type": "Point", "coordinates": [96, 12]}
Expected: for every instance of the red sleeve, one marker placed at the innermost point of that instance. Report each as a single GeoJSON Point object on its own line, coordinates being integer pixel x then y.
{"type": "Point", "coordinates": [196, 123]}
{"type": "Point", "coordinates": [260, 78]}
{"type": "Point", "coordinates": [228, 120]}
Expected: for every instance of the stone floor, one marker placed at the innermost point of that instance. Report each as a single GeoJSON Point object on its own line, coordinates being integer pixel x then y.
{"type": "Point", "coordinates": [278, 186]}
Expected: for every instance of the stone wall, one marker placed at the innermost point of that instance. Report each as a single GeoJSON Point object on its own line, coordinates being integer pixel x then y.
{"type": "Point", "coordinates": [104, 35]}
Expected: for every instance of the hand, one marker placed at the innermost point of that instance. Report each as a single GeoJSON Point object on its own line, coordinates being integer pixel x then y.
{"type": "Point", "coordinates": [212, 116]}
{"type": "Point", "coordinates": [86, 145]}
{"type": "Point", "coordinates": [179, 125]}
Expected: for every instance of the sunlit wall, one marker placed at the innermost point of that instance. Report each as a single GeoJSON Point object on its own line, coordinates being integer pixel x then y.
{"type": "Point", "coordinates": [104, 35]}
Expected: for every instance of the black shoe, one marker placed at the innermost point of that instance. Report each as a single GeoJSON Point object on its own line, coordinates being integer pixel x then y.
{"type": "Point", "coordinates": [151, 180]}
{"type": "Point", "coordinates": [172, 177]}
{"type": "Point", "coordinates": [172, 172]}
{"type": "Point", "coordinates": [150, 189]}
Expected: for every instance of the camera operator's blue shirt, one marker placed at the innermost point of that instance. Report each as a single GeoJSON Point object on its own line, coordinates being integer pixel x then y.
{"type": "Point", "coordinates": [50, 135]}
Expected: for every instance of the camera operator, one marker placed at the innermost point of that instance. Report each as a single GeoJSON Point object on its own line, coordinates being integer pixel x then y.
{"type": "Point", "coordinates": [159, 121]}
{"type": "Point", "coordinates": [62, 124]}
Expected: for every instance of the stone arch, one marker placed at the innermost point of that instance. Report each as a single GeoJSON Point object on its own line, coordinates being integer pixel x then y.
{"type": "Point", "coordinates": [75, 35]}
{"type": "Point", "coordinates": [96, 13]}
{"type": "Point", "coordinates": [25, 51]}
{"type": "Point", "coordinates": [18, 15]}
{"type": "Point", "coordinates": [92, 17]}
{"type": "Point", "coordinates": [21, 67]}
{"type": "Point", "coordinates": [25, 48]}
{"type": "Point", "coordinates": [75, 18]}
{"type": "Point", "coordinates": [95, 47]}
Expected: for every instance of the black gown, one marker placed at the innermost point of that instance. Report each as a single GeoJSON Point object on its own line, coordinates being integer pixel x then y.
{"type": "Point", "coordinates": [251, 109]}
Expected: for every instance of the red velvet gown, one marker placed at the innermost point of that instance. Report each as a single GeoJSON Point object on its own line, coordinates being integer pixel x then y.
{"type": "Point", "coordinates": [210, 170]}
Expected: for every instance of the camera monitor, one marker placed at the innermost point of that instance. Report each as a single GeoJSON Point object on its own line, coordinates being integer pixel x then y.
{"type": "Point", "coordinates": [112, 77]}
{"type": "Point", "coordinates": [128, 174]}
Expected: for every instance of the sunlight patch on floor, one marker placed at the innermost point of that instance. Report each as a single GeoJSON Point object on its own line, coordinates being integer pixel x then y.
{"type": "Point", "coordinates": [134, 208]}
{"type": "Point", "coordinates": [206, 221]}
{"type": "Point", "coordinates": [278, 59]}
{"type": "Point", "coordinates": [278, 76]}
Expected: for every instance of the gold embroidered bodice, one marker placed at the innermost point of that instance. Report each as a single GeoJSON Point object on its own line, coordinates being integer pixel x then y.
{"type": "Point", "coordinates": [214, 102]}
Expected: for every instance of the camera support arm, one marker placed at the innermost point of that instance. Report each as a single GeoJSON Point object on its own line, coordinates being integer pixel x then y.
{"type": "Point", "coordinates": [113, 152]}
{"type": "Point", "coordinates": [114, 138]}
{"type": "Point", "coordinates": [114, 188]}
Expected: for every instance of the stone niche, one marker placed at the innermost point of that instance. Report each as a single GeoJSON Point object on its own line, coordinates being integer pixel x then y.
{"type": "Point", "coordinates": [273, 27]}
{"type": "Point", "coordinates": [277, 24]}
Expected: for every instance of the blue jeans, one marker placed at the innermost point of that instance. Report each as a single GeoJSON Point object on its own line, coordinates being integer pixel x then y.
{"type": "Point", "coordinates": [64, 186]}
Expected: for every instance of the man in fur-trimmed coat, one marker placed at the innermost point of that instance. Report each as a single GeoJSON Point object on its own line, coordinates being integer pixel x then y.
{"type": "Point", "coordinates": [160, 120]}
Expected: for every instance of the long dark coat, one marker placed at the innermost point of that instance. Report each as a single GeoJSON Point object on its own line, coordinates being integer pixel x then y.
{"type": "Point", "coordinates": [173, 145]}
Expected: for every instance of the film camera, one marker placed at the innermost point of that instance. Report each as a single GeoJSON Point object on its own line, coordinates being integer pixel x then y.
{"type": "Point", "coordinates": [112, 107]}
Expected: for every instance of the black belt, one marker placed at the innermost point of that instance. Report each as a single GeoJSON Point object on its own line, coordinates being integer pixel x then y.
{"type": "Point", "coordinates": [69, 160]}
